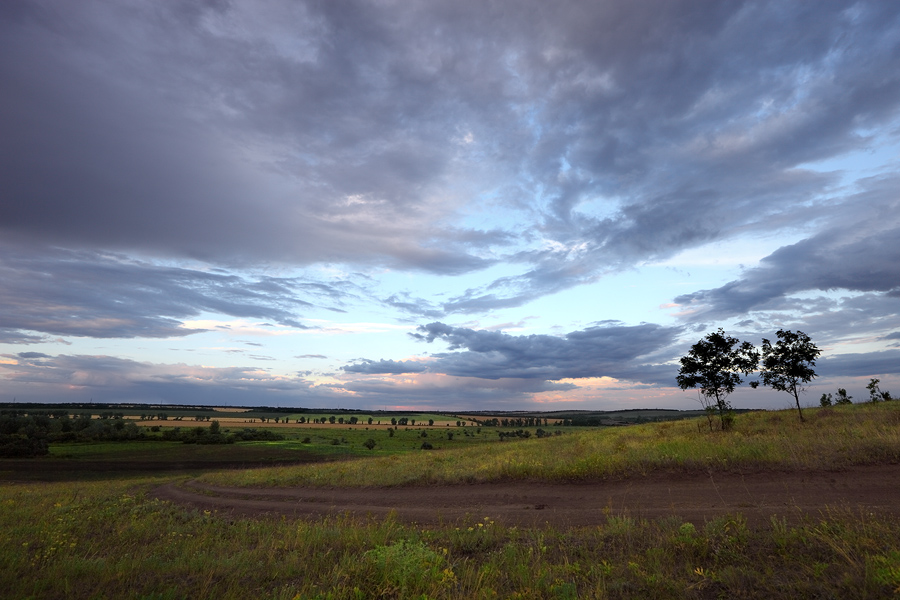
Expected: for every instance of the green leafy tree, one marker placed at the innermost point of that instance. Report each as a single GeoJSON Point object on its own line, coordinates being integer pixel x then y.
{"type": "Point", "coordinates": [842, 397]}
{"type": "Point", "coordinates": [875, 393]}
{"type": "Point", "coordinates": [788, 364]}
{"type": "Point", "coordinates": [715, 364]}
{"type": "Point", "coordinates": [826, 400]}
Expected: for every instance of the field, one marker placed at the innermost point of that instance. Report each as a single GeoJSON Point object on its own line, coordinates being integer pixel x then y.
{"type": "Point", "coordinates": [773, 509]}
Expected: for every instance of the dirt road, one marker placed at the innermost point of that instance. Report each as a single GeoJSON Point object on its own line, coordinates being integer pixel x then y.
{"type": "Point", "coordinates": [694, 497]}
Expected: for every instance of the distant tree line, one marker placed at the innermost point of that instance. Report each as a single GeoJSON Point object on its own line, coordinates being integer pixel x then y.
{"type": "Point", "coordinates": [512, 422]}
{"type": "Point", "coordinates": [215, 435]}
{"type": "Point", "coordinates": [28, 433]}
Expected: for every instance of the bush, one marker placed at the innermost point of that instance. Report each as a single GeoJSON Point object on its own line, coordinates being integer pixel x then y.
{"type": "Point", "coordinates": [22, 446]}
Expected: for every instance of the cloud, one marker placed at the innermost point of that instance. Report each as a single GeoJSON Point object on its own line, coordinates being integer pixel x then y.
{"type": "Point", "coordinates": [857, 253]}
{"type": "Point", "coordinates": [611, 351]}
{"type": "Point", "coordinates": [363, 133]}
{"type": "Point", "coordinates": [865, 364]}
{"type": "Point", "coordinates": [163, 163]}
{"type": "Point", "coordinates": [13, 336]}
{"type": "Point", "coordinates": [366, 366]}
{"type": "Point", "coordinates": [437, 390]}
{"type": "Point", "coordinates": [113, 379]}
{"type": "Point", "coordinates": [62, 292]}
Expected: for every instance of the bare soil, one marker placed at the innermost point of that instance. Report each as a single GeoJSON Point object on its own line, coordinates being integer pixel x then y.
{"type": "Point", "coordinates": [694, 497]}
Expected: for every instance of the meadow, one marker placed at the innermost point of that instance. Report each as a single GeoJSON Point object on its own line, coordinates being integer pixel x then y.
{"type": "Point", "coordinates": [107, 535]}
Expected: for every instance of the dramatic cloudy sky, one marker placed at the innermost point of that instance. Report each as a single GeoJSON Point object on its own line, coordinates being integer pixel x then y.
{"type": "Point", "coordinates": [442, 204]}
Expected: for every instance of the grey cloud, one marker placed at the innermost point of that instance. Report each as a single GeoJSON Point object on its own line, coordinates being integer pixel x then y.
{"type": "Point", "coordinates": [633, 353]}
{"type": "Point", "coordinates": [297, 158]}
{"type": "Point", "coordinates": [365, 366]}
{"type": "Point", "coordinates": [29, 355]}
{"type": "Point", "coordinates": [869, 364]}
{"type": "Point", "coordinates": [60, 292]}
{"type": "Point", "coordinates": [412, 305]}
{"type": "Point", "coordinates": [681, 141]}
{"type": "Point", "coordinates": [471, 393]}
{"type": "Point", "coordinates": [859, 255]}
{"type": "Point", "coordinates": [14, 336]}
{"type": "Point", "coordinates": [611, 350]}
{"type": "Point", "coordinates": [112, 379]}
{"type": "Point", "coordinates": [353, 132]}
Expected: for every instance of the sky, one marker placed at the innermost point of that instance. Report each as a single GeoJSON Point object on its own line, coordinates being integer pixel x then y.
{"type": "Point", "coordinates": [442, 204]}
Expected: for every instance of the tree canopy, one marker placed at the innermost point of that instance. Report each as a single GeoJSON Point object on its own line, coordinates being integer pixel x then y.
{"type": "Point", "coordinates": [715, 364]}
{"type": "Point", "coordinates": [788, 364]}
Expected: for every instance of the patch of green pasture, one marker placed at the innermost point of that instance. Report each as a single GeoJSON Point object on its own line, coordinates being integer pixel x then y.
{"type": "Point", "coordinates": [115, 540]}
{"type": "Point", "coordinates": [350, 439]}
{"type": "Point", "coordinates": [158, 454]}
{"type": "Point", "coordinates": [831, 438]}
{"type": "Point", "coordinates": [124, 450]}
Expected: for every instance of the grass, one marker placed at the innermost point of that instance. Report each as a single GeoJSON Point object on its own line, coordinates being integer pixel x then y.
{"type": "Point", "coordinates": [831, 438]}
{"type": "Point", "coordinates": [113, 539]}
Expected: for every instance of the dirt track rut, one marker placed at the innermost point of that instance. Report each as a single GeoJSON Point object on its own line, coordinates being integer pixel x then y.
{"type": "Point", "coordinates": [693, 497]}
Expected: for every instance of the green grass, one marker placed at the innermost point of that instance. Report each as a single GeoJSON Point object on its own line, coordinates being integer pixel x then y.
{"type": "Point", "coordinates": [112, 539]}
{"type": "Point", "coordinates": [830, 439]}
{"type": "Point", "coordinates": [350, 439]}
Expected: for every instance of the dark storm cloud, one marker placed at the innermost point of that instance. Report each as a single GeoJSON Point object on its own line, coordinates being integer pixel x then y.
{"type": "Point", "coordinates": [62, 292]}
{"type": "Point", "coordinates": [611, 350]}
{"type": "Point", "coordinates": [354, 131]}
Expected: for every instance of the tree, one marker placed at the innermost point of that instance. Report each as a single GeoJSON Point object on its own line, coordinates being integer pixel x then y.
{"type": "Point", "coordinates": [875, 393]}
{"type": "Point", "coordinates": [788, 365]}
{"type": "Point", "coordinates": [842, 397]}
{"type": "Point", "coordinates": [715, 364]}
{"type": "Point", "coordinates": [825, 400]}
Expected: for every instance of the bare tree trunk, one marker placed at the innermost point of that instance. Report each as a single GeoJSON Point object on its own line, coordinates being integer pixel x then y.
{"type": "Point", "coordinates": [797, 400]}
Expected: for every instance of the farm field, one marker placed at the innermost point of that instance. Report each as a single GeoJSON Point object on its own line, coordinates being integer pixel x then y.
{"type": "Point", "coordinates": [774, 508]}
